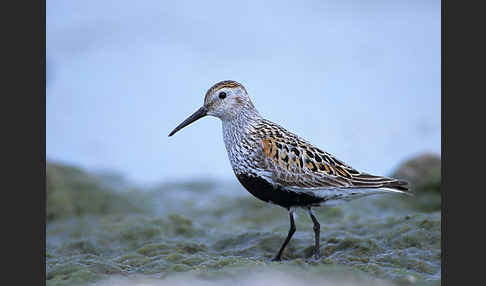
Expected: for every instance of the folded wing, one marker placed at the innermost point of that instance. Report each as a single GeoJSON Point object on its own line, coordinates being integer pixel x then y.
{"type": "Point", "coordinates": [297, 164]}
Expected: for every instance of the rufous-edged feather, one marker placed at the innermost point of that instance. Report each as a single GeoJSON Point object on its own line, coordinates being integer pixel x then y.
{"type": "Point", "coordinates": [296, 163]}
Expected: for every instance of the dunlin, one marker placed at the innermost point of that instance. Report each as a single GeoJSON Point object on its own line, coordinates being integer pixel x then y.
{"type": "Point", "coordinates": [280, 167]}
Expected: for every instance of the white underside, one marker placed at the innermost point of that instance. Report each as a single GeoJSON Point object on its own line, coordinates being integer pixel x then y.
{"type": "Point", "coordinates": [336, 196]}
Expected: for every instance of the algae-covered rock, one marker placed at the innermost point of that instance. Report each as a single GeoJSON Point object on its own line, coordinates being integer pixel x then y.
{"type": "Point", "coordinates": [73, 192]}
{"type": "Point", "coordinates": [215, 231]}
{"type": "Point", "coordinates": [422, 172]}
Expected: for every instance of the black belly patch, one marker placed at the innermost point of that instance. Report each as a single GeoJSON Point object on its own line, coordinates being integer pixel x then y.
{"type": "Point", "coordinates": [265, 191]}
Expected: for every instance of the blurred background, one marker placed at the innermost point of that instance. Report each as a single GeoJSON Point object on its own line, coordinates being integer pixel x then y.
{"type": "Point", "coordinates": [127, 205]}
{"type": "Point", "coordinates": [364, 76]}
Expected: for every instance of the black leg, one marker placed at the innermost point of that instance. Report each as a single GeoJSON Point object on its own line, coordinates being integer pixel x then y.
{"type": "Point", "coordinates": [289, 236]}
{"type": "Point", "coordinates": [317, 232]}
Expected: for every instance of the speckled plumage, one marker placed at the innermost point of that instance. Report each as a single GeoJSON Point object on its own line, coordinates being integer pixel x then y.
{"type": "Point", "coordinates": [280, 167]}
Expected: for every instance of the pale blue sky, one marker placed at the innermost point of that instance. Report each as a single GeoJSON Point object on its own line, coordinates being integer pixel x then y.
{"type": "Point", "coordinates": [360, 79]}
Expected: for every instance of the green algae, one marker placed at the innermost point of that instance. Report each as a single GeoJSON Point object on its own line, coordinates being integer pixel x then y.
{"type": "Point", "coordinates": [221, 234]}
{"type": "Point", "coordinates": [73, 192]}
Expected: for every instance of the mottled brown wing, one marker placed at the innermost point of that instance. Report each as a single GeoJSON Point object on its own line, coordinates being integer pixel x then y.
{"type": "Point", "coordinates": [295, 166]}
{"type": "Point", "coordinates": [295, 162]}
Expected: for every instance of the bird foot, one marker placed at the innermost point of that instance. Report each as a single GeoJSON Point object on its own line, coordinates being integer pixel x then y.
{"type": "Point", "coordinates": [276, 258]}
{"type": "Point", "coordinates": [316, 256]}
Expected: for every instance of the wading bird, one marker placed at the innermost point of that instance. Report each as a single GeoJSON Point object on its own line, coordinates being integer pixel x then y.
{"type": "Point", "coordinates": [280, 167]}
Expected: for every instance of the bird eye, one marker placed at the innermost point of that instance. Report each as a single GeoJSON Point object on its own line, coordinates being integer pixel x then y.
{"type": "Point", "coordinates": [222, 95]}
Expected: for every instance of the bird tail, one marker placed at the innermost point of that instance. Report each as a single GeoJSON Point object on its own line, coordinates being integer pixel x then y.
{"type": "Point", "coordinates": [398, 186]}
{"type": "Point", "coordinates": [386, 184]}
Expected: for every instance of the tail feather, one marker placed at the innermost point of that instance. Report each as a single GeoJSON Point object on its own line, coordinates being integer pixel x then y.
{"type": "Point", "coordinates": [399, 186]}
{"type": "Point", "coordinates": [365, 180]}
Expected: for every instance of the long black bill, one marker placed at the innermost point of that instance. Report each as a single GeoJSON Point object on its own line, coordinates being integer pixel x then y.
{"type": "Point", "coordinates": [201, 112]}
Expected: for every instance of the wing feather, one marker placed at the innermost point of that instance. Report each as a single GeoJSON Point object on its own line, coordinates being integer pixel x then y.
{"type": "Point", "coordinates": [296, 163]}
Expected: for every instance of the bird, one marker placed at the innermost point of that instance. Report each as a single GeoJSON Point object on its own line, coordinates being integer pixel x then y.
{"type": "Point", "coordinates": [281, 168]}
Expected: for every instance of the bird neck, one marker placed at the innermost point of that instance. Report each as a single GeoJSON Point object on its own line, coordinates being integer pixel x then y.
{"type": "Point", "coordinates": [241, 122]}
{"type": "Point", "coordinates": [235, 133]}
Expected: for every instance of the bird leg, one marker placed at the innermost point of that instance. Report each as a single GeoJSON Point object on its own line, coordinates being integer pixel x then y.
{"type": "Point", "coordinates": [289, 236]}
{"type": "Point", "coordinates": [317, 231]}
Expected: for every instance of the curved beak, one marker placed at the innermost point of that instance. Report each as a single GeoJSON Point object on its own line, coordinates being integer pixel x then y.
{"type": "Point", "coordinates": [201, 112]}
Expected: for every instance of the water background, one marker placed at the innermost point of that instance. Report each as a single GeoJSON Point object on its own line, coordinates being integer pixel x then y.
{"type": "Point", "coordinates": [361, 80]}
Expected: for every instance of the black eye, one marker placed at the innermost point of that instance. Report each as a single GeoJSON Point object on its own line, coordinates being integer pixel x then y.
{"type": "Point", "coordinates": [222, 95]}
